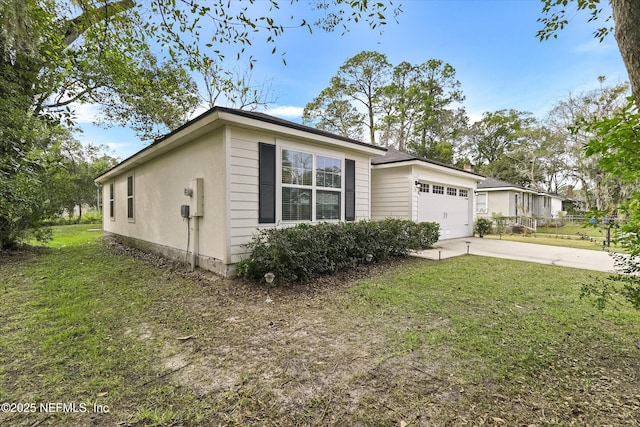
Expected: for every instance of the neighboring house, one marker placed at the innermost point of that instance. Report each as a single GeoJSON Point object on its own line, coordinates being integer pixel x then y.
{"type": "Point", "coordinates": [496, 196]}
{"type": "Point", "coordinates": [409, 187]}
{"type": "Point", "coordinates": [201, 192]}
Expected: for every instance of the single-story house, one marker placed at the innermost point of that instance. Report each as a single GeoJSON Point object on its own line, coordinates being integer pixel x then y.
{"type": "Point", "coordinates": [202, 191]}
{"type": "Point", "coordinates": [496, 196]}
{"type": "Point", "coordinates": [422, 190]}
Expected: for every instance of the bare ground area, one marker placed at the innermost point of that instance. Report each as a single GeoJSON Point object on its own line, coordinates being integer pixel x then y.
{"type": "Point", "coordinates": [282, 356]}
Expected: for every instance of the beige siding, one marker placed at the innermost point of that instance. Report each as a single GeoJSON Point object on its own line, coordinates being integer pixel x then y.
{"type": "Point", "coordinates": [501, 202]}
{"type": "Point", "coordinates": [243, 180]}
{"type": "Point", "coordinates": [391, 195]}
{"type": "Point", "coordinates": [159, 193]}
{"type": "Point", "coordinates": [243, 196]}
{"type": "Point", "coordinates": [363, 189]}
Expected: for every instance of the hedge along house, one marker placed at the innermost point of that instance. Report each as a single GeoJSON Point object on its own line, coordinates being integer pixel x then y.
{"type": "Point", "coordinates": [201, 192]}
{"type": "Point", "coordinates": [422, 190]}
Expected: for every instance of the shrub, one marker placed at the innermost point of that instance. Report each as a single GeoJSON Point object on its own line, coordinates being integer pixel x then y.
{"type": "Point", "coordinates": [87, 218]}
{"type": "Point", "coordinates": [500, 222]}
{"type": "Point", "coordinates": [91, 218]}
{"type": "Point", "coordinates": [517, 229]}
{"type": "Point", "coordinates": [304, 252]}
{"type": "Point", "coordinates": [483, 226]}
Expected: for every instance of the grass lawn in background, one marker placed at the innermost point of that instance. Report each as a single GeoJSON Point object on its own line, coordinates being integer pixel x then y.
{"type": "Point", "coordinates": [573, 229]}
{"type": "Point", "coordinates": [570, 235]}
{"type": "Point", "coordinates": [136, 341]}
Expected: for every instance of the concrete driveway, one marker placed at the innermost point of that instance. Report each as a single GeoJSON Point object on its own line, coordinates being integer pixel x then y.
{"type": "Point", "coordinates": [531, 252]}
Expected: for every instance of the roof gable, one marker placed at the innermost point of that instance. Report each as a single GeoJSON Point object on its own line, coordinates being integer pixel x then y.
{"type": "Point", "coordinates": [396, 156]}
{"type": "Point", "coordinates": [497, 183]}
{"type": "Point", "coordinates": [219, 116]}
{"type": "Point", "coordinates": [493, 184]}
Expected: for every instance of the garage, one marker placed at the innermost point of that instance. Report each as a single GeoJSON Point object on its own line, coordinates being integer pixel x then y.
{"type": "Point", "coordinates": [449, 206]}
{"type": "Point", "coordinates": [409, 187]}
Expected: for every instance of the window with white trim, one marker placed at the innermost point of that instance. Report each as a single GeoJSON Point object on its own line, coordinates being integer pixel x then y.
{"type": "Point", "coordinates": [452, 191]}
{"type": "Point", "coordinates": [311, 187]}
{"type": "Point", "coordinates": [112, 201]}
{"type": "Point", "coordinates": [481, 202]}
{"type": "Point", "coordinates": [130, 213]}
{"type": "Point", "coordinates": [463, 192]}
{"type": "Point", "coordinates": [423, 187]}
{"type": "Point", "coordinates": [438, 189]}
{"type": "Point", "coordinates": [329, 188]}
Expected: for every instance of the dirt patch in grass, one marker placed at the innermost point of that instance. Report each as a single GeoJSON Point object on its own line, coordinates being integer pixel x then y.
{"type": "Point", "coordinates": [282, 353]}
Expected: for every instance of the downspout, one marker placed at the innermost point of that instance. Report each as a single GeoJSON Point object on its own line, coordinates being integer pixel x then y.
{"type": "Point", "coordinates": [195, 250]}
{"type": "Point", "coordinates": [198, 205]}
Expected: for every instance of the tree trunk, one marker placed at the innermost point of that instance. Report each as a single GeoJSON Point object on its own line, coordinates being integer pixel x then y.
{"type": "Point", "coordinates": [626, 16]}
{"type": "Point", "coordinates": [372, 128]}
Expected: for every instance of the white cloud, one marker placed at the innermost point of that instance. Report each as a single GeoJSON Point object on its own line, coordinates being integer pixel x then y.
{"type": "Point", "coordinates": [285, 111]}
{"type": "Point", "coordinates": [595, 46]}
{"type": "Point", "coordinates": [474, 116]}
{"type": "Point", "coordinates": [201, 109]}
{"type": "Point", "coordinates": [85, 113]}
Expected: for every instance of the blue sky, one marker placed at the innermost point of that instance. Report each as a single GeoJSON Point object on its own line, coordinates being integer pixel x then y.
{"type": "Point", "coordinates": [491, 44]}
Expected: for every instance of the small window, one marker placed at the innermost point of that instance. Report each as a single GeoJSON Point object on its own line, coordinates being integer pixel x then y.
{"type": "Point", "coordinates": [463, 193]}
{"type": "Point", "coordinates": [423, 188]}
{"type": "Point", "coordinates": [112, 201]}
{"type": "Point", "coordinates": [481, 206]}
{"type": "Point", "coordinates": [130, 197]}
{"type": "Point", "coordinates": [452, 191]}
{"type": "Point", "coordinates": [438, 189]}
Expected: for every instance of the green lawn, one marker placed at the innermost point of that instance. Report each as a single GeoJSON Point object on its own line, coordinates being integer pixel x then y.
{"type": "Point", "coordinates": [571, 235]}
{"type": "Point", "coordinates": [564, 241]}
{"type": "Point", "coordinates": [573, 229]}
{"type": "Point", "coordinates": [465, 341]}
{"type": "Point", "coordinates": [72, 235]}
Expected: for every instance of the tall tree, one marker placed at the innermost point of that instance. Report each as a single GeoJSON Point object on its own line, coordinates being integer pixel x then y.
{"type": "Point", "coordinates": [407, 106]}
{"type": "Point", "coordinates": [439, 90]}
{"type": "Point", "coordinates": [496, 134]}
{"type": "Point", "coordinates": [416, 109]}
{"type": "Point", "coordinates": [600, 189]}
{"type": "Point", "coordinates": [333, 111]}
{"type": "Point", "coordinates": [359, 81]}
{"type": "Point", "coordinates": [79, 165]}
{"type": "Point", "coordinates": [235, 88]}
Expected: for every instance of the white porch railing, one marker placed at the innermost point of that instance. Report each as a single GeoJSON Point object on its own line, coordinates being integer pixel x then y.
{"type": "Point", "coordinates": [527, 222]}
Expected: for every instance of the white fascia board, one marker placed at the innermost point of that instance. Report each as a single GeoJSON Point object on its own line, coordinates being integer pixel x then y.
{"type": "Point", "coordinates": [253, 124]}
{"type": "Point", "coordinates": [517, 189]}
{"type": "Point", "coordinates": [433, 167]}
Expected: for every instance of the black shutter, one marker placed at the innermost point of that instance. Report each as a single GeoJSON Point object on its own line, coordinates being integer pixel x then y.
{"type": "Point", "coordinates": [350, 190]}
{"type": "Point", "coordinates": [267, 183]}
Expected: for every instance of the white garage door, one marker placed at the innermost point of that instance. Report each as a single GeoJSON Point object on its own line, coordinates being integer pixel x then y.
{"type": "Point", "coordinates": [448, 206]}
